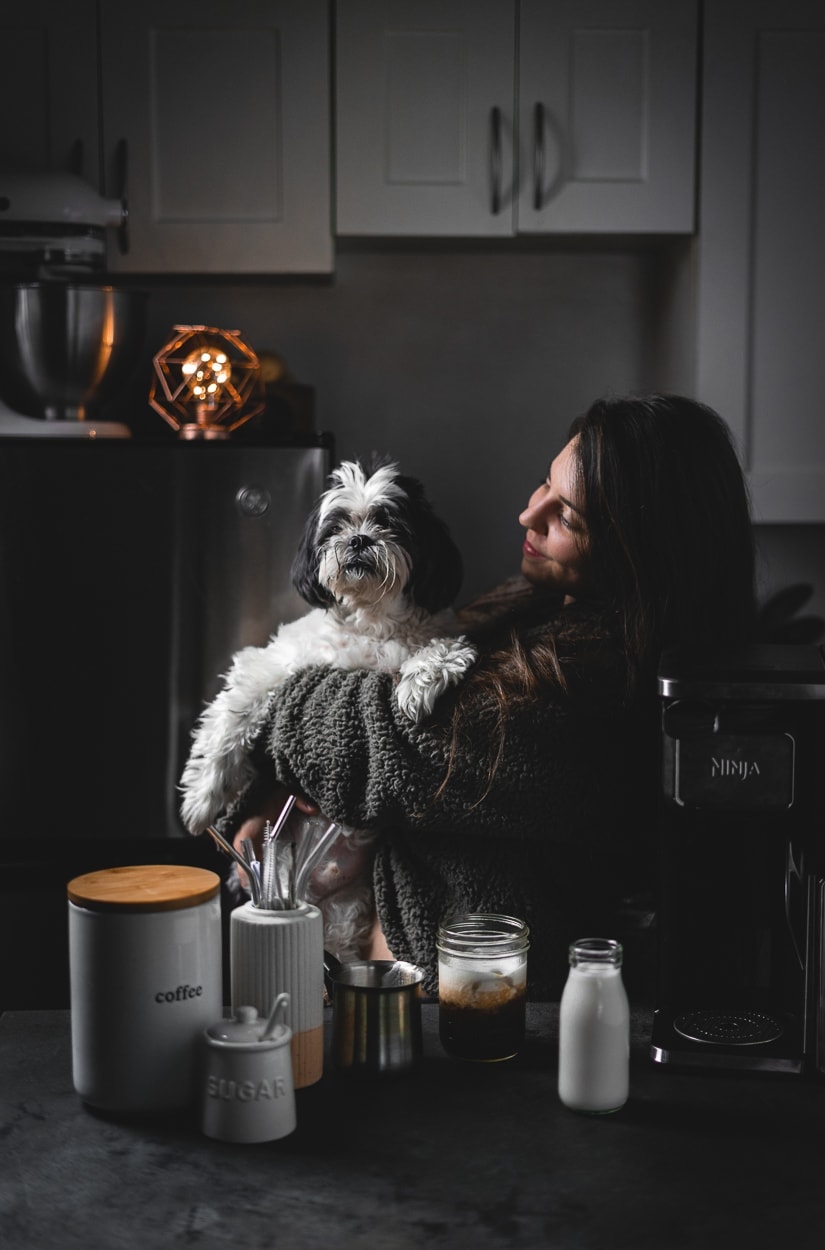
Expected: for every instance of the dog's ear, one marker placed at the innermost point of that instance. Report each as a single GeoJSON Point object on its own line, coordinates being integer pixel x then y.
{"type": "Point", "coordinates": [438, 569]}
{"type": "Point", "coordinates": [305, 565]}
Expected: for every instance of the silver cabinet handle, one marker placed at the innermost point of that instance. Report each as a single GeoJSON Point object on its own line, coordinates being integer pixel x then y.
{"type": "Point", "coordinates": [538, 156]}
{"type": "Point", "coordinates": [77, 154]}
{"type": "Point", "coordinates": [495, 160]}
{"type": "Point", "coordinates": [122, 174]}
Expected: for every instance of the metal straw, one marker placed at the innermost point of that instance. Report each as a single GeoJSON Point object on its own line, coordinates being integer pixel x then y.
{"type": "Point", "coordinates": [239, 859]}
{"type": "Point", "coordinates": [270, 898]}
{"type": "Point", "coordinates": [286, 875]}
{"type": "Point", "coordinates": [253, 870]}
{"type": "Point", "coordinates": [282, 878]}
{"type": "Point", "coordinates": [276, 894]}
{"type": "Point", "coordinates": [307, 860]}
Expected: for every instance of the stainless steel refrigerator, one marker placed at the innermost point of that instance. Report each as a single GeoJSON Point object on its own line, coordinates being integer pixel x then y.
{"type": "Point", "coordinates": [129, 574]}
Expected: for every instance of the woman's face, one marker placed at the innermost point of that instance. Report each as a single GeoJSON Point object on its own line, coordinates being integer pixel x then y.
{"type": "Point", "coordinates": [554, 553]}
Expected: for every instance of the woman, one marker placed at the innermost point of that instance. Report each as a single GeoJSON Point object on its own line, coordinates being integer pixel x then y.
{"type": "Point", "coordinates": [532, 790]}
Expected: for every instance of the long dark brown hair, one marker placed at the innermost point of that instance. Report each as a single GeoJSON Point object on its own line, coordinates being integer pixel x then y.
{"type": "Point", "coordinates": [671, 545]}
{"type": "Point", "coordinates": [670, 549]}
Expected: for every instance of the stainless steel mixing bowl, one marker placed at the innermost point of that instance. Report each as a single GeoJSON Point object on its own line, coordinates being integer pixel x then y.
{"type": "Point", "coordinates": [64, 346]}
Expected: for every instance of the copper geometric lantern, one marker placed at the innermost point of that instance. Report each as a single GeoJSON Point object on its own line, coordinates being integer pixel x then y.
{"type": "Point", "coordinates": [207, 382]}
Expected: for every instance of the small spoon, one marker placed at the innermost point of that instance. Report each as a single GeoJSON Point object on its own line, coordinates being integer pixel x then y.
{"type": "Point", "coordinates": [278, 1007]}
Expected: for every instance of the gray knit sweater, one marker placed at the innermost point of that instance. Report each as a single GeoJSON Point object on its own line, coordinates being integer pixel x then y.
{"type": "Point", "coordinates": [555, 836]}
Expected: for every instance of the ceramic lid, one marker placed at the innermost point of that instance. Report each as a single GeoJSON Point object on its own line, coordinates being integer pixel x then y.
{"type": "Point", "coordinates": [245, 1029]}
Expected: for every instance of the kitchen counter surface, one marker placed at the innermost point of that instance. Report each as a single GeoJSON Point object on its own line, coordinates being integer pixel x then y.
{"type": "Point", "coordinates": [456, 1156]}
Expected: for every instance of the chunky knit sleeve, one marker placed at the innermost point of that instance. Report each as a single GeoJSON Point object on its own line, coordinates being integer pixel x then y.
{"type": "Point", "coordinates": [338, 736]}
{"type": "Point", "coordinates": [340, 739]}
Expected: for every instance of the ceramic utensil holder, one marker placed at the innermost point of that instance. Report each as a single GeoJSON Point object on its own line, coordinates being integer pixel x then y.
{"type": "Point", "coordinates": [145, 974]}
{"type": "Point", "coordinates": [274, 952]}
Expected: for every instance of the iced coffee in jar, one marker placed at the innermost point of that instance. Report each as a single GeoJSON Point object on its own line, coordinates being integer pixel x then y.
{"type": "Point", "coordinates": [482, 985]}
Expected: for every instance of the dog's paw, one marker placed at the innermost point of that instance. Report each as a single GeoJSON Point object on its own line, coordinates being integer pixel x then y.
{"type": "Point", "coordinates": [208, 784]}
{"type": "Point", "coordinates": [430, 671]}
{"type": "Point", "coordinates": [204, 795]}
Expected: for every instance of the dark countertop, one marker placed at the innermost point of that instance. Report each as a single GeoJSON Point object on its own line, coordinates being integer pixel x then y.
{"type": "Point", "coordinates": [456, 1156]}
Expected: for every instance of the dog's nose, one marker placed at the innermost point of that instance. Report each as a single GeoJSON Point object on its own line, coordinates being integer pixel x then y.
{"type": "Point", "coordinates": [359, 541]}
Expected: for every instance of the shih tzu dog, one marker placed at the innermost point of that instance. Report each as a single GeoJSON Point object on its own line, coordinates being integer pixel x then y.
{"type": "Point", "coordinates": [380, 571]}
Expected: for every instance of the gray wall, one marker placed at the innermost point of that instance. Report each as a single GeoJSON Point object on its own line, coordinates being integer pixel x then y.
{"type": "Point", "coordinates": [467, 362]}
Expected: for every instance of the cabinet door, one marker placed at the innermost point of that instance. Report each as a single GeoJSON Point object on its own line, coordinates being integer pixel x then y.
{"type": "Point", "coordinates": [607, 99]}
{"type": "Point", "coordinates": [220, 115]}
{"type": "Point", "coordinates": [424, 114]}
{"type": "Point", "coordinates": [48, 87]}
{"type": "Point", "coordinates": [762, 250]}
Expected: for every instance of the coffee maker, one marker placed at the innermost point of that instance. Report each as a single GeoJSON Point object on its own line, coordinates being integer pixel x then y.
{"type": "Point", "coordinates": [742, 860]}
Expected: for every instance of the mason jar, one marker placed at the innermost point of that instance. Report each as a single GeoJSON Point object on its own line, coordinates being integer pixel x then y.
{"type": "Point", "coordinates": [482, 985]}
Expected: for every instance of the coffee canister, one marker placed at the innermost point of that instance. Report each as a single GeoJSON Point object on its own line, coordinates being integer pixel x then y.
{"type": "Point", "coordinates": [145, 965]}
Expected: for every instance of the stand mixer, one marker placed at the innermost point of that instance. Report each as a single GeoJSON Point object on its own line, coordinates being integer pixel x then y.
{"type": "Point", "coordinates": [67, 342]}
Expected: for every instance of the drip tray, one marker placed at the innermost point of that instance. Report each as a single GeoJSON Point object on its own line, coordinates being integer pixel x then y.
{"type": "Point", "coordinates": [728, 1028]}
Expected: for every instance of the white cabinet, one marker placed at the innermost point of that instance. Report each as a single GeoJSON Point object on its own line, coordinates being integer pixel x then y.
{"type": "Point", "coordinates": [496, 117]}
{"type": "Point", "coordinates": [216, 121]}
{"type": "Point", "coordinates": [607, 116]}
{"type": "Point", "coordinates": [48, 87]}
{"type": "Point", "coordinates": [760, 357]}
{"type": "Point", "coordinates": [424, 117]}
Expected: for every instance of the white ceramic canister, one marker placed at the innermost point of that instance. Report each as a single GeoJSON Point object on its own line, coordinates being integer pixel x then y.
{"type": "Point", "coordinates": [247, 1091]}
{"type": "Point", "coordinates": [594, 1029]}
{"type": "Point", "coordinates": [273, 952]}
{"type": "Point", "coordinates": [145, 967]}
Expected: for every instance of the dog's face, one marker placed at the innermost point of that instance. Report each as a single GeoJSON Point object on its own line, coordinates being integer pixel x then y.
{"type": "Point", "coordinates": [372, 538]}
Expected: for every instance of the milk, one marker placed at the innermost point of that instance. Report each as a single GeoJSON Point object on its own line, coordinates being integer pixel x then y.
{"type": "Point", "coordinates": [475, 981]}
{"type": "Point", "coordinates": [594, 1030]}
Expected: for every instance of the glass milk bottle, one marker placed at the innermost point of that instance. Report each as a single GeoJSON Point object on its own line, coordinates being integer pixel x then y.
{"type": "Point", "coordinates": [594, 1029]}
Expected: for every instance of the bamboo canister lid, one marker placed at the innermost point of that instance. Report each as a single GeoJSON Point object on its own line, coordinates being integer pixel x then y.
{"type": "Point", "coordinates": [144, 887]}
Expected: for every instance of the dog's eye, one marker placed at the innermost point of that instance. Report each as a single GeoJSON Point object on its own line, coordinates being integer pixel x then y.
{"type": "Point", "coordinates": [381, 518]}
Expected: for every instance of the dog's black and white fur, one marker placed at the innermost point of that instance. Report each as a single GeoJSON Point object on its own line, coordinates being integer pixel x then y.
{"type": "Point", "coordinates": [380, 570]}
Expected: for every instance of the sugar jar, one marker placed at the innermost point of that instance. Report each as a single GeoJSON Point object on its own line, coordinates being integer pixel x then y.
{"type": "Point", "coordinates": [247, 1091]}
